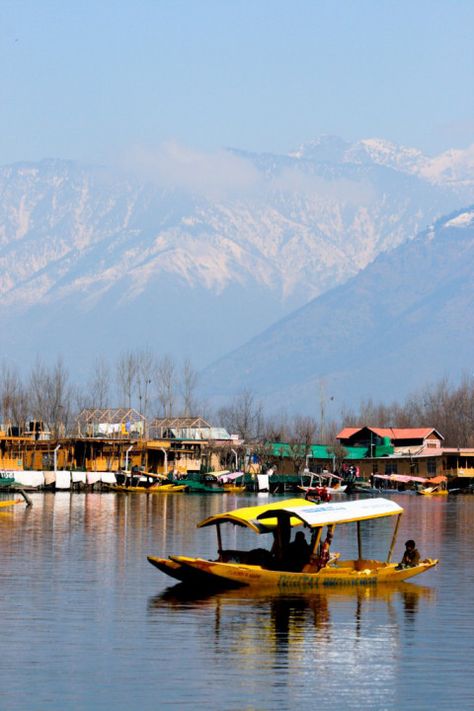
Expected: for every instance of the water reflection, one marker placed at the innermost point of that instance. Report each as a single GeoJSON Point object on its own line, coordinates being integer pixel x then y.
{"type": "Point", "coordinates": [291, 615]}
{"type": "Point", "coordinates": [94, 626]}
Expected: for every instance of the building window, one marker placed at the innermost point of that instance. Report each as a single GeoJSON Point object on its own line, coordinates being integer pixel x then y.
{"type": "Point", "coordinates": [390, 468]}
{"type": "Point", "coordinates": [431, 466]}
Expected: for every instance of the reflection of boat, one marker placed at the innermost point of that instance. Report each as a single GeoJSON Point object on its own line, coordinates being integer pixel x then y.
{"type": "Point", "coordinates": [275, 569]}
{"type": "Point", "coordinates": [437, 487]}
{"type": "Point", "coordinates": [182, 593]}
{"type": "Point", "coordinates": [9, 502]}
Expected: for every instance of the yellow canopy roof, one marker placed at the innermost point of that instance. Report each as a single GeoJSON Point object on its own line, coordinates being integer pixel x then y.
{"type": "Point", "coordinates": [248, 515]}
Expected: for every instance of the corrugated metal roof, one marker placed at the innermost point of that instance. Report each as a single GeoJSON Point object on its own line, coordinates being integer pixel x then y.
{"type": "Point", "coordinates": [393, 433]}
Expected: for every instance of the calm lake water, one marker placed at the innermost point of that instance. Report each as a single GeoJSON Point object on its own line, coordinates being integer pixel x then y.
{"type": "Point", "coordinates": [88, 623]}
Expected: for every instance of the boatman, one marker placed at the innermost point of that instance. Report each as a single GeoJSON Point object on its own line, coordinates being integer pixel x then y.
{"type": "Point", "coordinates": [411, 557]}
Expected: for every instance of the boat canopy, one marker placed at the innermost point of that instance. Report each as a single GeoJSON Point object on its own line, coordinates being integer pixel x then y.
{"type": "Point", "coordinates": [328, 514]}
{"type": "Point", "coordinates": [227, 477]}
{"type": "Point", "coordinates": [218, 474]}
{"type": "Point", "coordinates": [437, 480]}
{"type": "Point", "coordinates": [402, 478]}
{"type": "Point", "coordinates": [249, 516]}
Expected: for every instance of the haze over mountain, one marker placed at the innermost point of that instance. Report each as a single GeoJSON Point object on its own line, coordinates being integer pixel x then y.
{"type": "Point", "coordinates": [406, 320]}
{"type": "Point", "coordinates": [196, 253]}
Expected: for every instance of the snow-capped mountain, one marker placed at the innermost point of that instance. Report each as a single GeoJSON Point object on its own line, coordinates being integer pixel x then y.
{"type": "Point", "coordinates": [406, 320]}
{"type": "Point", "coordinates": [203, 253]}
{"type": "Point", "coordinates": [454, 166]}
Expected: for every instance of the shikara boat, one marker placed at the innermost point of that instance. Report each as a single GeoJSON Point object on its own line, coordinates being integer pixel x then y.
{"type": "Point", "coordinates": [332, 483]}
{"type": "Point", "coordinates": [233, 482]}
{"type": "Point", "coordinates": [437, 486]}
{"type": "Point", "coordinates": [145, 483]}
{"type": "Point", "coordinates": [275, 569]}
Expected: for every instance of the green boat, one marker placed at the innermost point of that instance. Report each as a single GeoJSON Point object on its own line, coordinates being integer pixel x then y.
{"type": "Point", "coordinates": [197, 487]}
{"type": "Point", "coordinates": [6, 481]}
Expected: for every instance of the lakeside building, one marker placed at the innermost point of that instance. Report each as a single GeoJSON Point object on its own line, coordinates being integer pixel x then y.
{"type": "Point", "coordinates": [407, 451]}
{"type": "Point", "coordinates": [105, 443]}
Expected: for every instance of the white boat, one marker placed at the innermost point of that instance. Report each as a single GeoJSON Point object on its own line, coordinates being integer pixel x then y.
{"type": "Point", "coordinates": [325, 480]}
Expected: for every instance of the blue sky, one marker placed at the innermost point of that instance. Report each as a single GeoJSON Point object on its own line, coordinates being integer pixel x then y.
{"type": "Point", "coordinates": [91, 80]}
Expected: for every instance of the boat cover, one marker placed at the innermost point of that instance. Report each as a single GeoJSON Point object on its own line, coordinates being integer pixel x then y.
{"type": "Point", "coordinates": [248, 516]}
{"type": "Point", "coordinates": [327, 514]}
{"type": "Point", "coordinates": [402, 478]}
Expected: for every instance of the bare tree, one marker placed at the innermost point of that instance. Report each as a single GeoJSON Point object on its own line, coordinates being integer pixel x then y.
{"type": "Point", "coordinates": [189, 381]}
{"type": "Point", "coordinates": [99, 385]}
{"type": "Point", "coordinates": [277, 428]}
{"type": "Point", "coordinates": [127, 372]}
{"type": "Point", "coordinates": [304, 434]}
{"type": "Point", "coordinates": [13, 398]}
{"type": "Point", "coordinates": [50, 395]}
{"type": "Point", "coordinates": [146, 371]}
{"type": "Point", "coordinates": [244, 416]}
{"type": "Point", "coordinates": [166, 385]}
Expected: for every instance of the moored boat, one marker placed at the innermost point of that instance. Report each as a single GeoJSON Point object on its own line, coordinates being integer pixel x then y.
{"type": "Point", "coordinates": [145, 483]}
{"type": "Point", "coordinates": [331, 483]}
{"type": "Point", "coordinates": [277, 569]}
{"type": "Point", "coordinates": [436, 486]}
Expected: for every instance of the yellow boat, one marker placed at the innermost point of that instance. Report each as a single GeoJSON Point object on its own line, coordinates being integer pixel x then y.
{"type": "Point", "coordinates": [437, 487]}
{"type": "Point", "coordinates": [141, 482]}
{"type": "Point", "coordinates": [272, 570]}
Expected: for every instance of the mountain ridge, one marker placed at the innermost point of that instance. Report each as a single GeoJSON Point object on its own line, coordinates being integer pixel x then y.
{"type": "Point", "coordinates": [94, 247]}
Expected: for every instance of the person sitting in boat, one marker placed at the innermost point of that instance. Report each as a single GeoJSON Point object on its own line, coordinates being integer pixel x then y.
{"type": "Point", "coordinates": [411, 557]}
{"type": "Point", "coordinates": [325, 552]}
{"type": "Point", "coordinates": [298, 552]}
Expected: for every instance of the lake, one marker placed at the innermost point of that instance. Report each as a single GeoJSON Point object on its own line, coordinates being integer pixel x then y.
{"type": "Point", "coordinates": [90, 624]}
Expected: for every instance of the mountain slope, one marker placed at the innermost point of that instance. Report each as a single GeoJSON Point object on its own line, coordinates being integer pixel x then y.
{"type": "Point", "coordinates": [406, 319]}
{"type": "Point", "coordinates": [92, 258]}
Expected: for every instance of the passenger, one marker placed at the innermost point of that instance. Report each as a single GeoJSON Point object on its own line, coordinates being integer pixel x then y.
{"type": "Point", "coordinates": [325, 553]}
{"type": "Point", "coordinates": [298, 552]}
{"type": "Point", "coordinates": [411, 557]}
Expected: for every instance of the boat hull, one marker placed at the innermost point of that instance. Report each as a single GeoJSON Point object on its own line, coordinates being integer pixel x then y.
{"type": "Point", "coordinates": [160, 489]}
{"type": "Point", "coordinates": [345, 573]}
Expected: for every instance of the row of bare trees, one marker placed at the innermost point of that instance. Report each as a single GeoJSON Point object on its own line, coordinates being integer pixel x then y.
{"type": "Point", "coordinates": [447, 407]}
{"type": "Point", "coordinates": [159, 386]}
{"type": "Point", "coordinates": [156, 386]}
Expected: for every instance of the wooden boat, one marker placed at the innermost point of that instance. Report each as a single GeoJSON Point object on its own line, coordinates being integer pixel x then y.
{"type": "Point", "coordinates": [145, 483]}
{"type": "Point", "coordinates": [230, 482]}
{"type": "Point", "coordinates": [437, 486]}
{"type": "Point", "coordinates": [332, 483]}
{"type": "Point", "coordinates": [273, 570]}
{"type": "Point", "coordinates": [199, 487]}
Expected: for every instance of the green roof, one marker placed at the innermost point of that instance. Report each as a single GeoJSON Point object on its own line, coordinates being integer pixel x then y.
{"type": "Point", "coordinates": [315, 451]}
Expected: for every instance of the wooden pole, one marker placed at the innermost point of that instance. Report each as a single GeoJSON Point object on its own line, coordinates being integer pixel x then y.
{"type": "Point", "coordinates": [219, 540]}
{"type": "Point", "coordinates": [359, 541]}
{"type": "Point", "coordinates": [394, 538]}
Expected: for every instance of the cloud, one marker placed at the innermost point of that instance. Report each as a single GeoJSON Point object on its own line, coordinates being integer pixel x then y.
{"type": "Point", "coordinates": [215, 175]}
{"type": "Point", "coordinates": [222, 174]}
